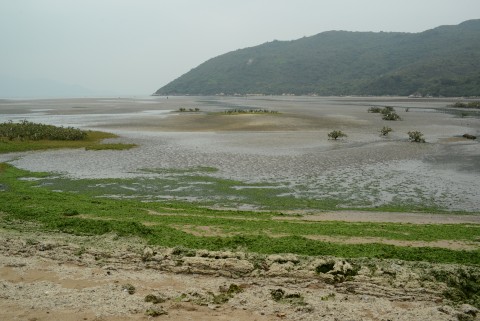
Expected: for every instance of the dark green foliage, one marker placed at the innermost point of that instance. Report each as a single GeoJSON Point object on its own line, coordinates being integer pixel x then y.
{"type": "Point", "coordinates": [391, 116]}
{"type": "Point", "coordinates": [416, 137]}
{"type": "Point", "coordinates": [26, 130]}
{"type": "Point", "coordinates": [375, 110]}
{"type": "Point", "coordinates": [346, 63]}
{"type": "Point", "coordinates": [385, 130]}
{"type": "Point", "coordinates": [325, 268]}
{"type": "Point", "coordinates": [277, 294]}
{"type": "Point", "coordinates": [472, 104]}
{"type": "Point", "coordinates": [250, 111]}
{"type": "Point", "coordinates": [463, 285]}
{"type": "Point", "coordinates": [389, 113]}
{"type": "Point", "coordinates": [182, 110]}
{"type": "Point", "coordinates": [336, 134]}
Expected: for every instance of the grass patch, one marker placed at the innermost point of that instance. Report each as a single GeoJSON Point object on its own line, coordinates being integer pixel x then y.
{"type": "Point", "coordinates": [92, 141]}
{"type": "Point", "coordinates": [24, 201]}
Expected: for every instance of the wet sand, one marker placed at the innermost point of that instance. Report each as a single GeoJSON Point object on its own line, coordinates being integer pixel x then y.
{"type": "Point", "coordinates": [289, 148]}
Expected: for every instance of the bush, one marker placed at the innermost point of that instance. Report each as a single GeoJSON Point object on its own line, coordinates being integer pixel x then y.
{"type": "Point", "coordinates": [336, 134]}
{"type": "Point", "coordinates": [26, 130]}
{"type": "Point", "coordinates": [391, 116]}
{"type": "Point", "coordinates": [416, 136]}
{"type": "Point", "coordinates": [375, 110]}
{"type": "Point", "coordinates": [388, 112]}
{"type": "Point", "coordinates": [385, 130]}
{"type": "Point", "coordinates": [472, 104]}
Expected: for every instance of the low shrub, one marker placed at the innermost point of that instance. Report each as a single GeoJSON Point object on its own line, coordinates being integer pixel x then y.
{"type": "Point", "coordinates": [26, 130]}
{"type": "Point", "coordinates": [385, 130]}
{"type": "Point", "coordinates": [336, 134]}
{"type": "Point", "coordinates": [416, 136]}
{"type": "Point", "coordinates": [472, 104]}
{"type": "Point", "coordinates": [375, 110]}
{"type": "Point", "coordinates": [391, 116]}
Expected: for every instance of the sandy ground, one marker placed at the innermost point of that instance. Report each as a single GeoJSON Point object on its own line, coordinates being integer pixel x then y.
{"type": "Point", "coordinates": [62, 277]}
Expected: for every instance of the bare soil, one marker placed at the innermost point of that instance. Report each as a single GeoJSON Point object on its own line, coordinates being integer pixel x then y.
{"type": "Point", "coordinates": [72, 278]}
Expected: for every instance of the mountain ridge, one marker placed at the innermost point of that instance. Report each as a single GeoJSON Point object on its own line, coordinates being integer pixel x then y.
{"type": "Point", "coordinates": [444, 61]}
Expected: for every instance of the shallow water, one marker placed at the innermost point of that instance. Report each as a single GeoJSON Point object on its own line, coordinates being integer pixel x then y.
{"type": "Point", "coordinates": [362, 169]}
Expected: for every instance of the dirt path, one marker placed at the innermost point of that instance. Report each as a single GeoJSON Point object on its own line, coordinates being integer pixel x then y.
{"type": "Point", "coordinates": [387, 217]}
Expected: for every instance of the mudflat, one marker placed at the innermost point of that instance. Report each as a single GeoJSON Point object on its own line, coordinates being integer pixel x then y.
{"type": "Point", "coordinates": [289, 148]}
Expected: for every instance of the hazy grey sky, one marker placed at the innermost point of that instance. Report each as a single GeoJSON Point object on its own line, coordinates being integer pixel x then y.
{"type": "Point", "coordinates": [137, 46]}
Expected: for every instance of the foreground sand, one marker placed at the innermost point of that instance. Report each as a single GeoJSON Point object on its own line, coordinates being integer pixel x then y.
{"type": "Point", "coordinates": [62, 277]}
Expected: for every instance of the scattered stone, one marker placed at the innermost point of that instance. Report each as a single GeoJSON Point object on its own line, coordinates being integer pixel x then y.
{"type": "Point", "coordinates": [155, 312]}
{"type": "Point", "coordinates": [130, 289]}
{"type": "Point", "coordinates": [148, 253]}
{"type": "Point", "coordinates": [465, 317]}
{"type": "Point", "coordinates": [446, 309]}
{"type": "Point", "coordinates": [155, 299]}
{"type": "Point", "coordinates": [45, 246]}
{"type": "Point", "coordinates": [468, 309]}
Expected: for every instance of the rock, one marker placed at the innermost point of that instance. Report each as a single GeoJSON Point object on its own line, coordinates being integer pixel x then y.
{"type": "Point", "coordinates": [341, 267]}
{"type": "Point", "coordinates": [45, 246]}
{"type": "Point", "coordinates": [446, 309]}
{"type": "Point", "coordinates": [155, 312]}
{"type": "Point", "coordinates": [286, 258]}
{"type": "Point", "coordinates": [148, 251]}
{"type": "Point", "coordinates": [279, 269]}
{"type": "Point", "coordinates": [468, 309]}
{"type": "Point", "coordinates": [464, 317]}
{"type": "Point", "coordinates": [209, 265]}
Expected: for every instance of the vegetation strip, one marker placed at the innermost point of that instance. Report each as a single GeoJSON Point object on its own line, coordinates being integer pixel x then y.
{"type": "Point", "coordinates": [24, 201]}
{"type": "Point", "coordinates": [26, 136]}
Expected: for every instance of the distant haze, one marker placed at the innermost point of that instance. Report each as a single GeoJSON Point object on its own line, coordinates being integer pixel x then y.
{"type": "Point", "coordinates": [133, 47]}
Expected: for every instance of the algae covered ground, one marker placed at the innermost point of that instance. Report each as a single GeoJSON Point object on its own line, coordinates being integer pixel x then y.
{"type": "Point", "coordinates": [173, 223]}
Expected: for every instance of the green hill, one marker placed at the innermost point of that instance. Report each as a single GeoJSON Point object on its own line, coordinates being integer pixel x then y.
{"type": "Point", "coordinates": [443, 61]}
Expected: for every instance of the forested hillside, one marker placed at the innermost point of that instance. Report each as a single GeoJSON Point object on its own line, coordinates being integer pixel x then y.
{"type": "Point", "coordinates": [444, 61]}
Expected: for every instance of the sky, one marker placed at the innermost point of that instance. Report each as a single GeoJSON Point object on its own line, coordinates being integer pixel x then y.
{"type": "Point", "coordinates": [134, 47]}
